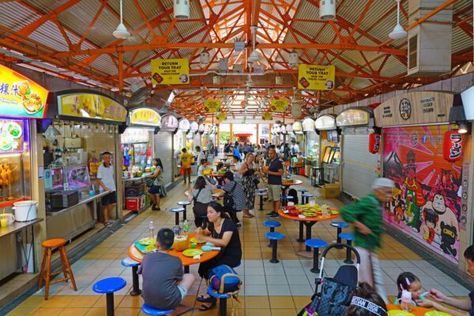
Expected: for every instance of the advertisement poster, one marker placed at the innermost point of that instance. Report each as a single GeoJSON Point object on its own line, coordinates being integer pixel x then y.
{"type": "Point", "coordinates": [86, 105]}
{"type": "Point", "coordinates": [170, 71]}
{"type": "Point", "coordinates": [279, 105]}
{"type": "Point", "coordinates": [316, 77]}
{"type": "Point", "coordinates": [11, 136]}
{"type": "Point", "coordinates": [20, 96]}
{"type": "Point", "coordinates": [212, 106]}
{"type": "Point", "coordinates": [427, 199]}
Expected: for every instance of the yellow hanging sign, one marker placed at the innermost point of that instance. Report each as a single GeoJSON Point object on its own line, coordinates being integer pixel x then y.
{"type": "Point", "coordinates": [145, 116]}
{"type": "Point", "coordinates": [170, 71]}
{"type": "Point", "coordinates": [212, 106]}
{"type": "Point", "coordinates": [279, 105]}
{"type": "Point", "coordinates": [92, 106]}
{"type": "Point", "coordinates": [316, 77]}
{"type": "Point", "coordinates": [221, 116]}
{"type": "Point", "coordinates": [267, 116]}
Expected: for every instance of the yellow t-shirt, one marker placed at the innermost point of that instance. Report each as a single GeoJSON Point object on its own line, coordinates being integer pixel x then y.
{"type": "Point", "coordinates": [186, 160]}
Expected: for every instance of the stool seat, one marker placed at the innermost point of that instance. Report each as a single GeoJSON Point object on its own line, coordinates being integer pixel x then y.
{"type": "Point", "coordinates": [261, 190]}
{"type": "Point", "coordinates": [176, 209]}
{"type": "Point", "coordinates": [271, 223]}
{"type": "Point", "coordinates": [315, 243]}
{"type": "Point", "coordinates": [184, 203]}
{"type": "Point", "coordinates": [261, 193]}
{"type": "Point", "coordinates": [212, 292]}
{"type": "Point", "coordinates": [54, 243]}
{"type": "Point", "coordinates": [109, 285]}
{"type": "Point", "coordinates": [307, 194]}
{"type": "Point", "coordinates": [339, 224]}
{"type": "Point", "coordinates": [127, 262]}
{"type": "Point", "coordinates": [287, 197]}
{"type": "Point", "coordinates": [147, 309]}
{"type": "Point", "coordinates": [347, 236]}
{"type": "Point", "coordinates": [274, 235]}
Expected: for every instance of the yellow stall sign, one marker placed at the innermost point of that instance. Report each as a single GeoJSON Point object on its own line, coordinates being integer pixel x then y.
{"type": "Point", "coordinates": [212, 106]}
{"type": "Point", "coordinates": [92, 106]}
{"type": "Point", "coordinates": [221, 116]}
{"type": "Point", "coordinates": [170, 71]}
{"type": "Point", "coordinates": [267, 116]}
{"type": "Point", "coordinates": [145, 116]}
{"type": "Point", "coordinates": [279, 105]}
{"type": "Point", "coordinates": [20, 96]}
{"type": "Point", "coordinates": [316, 77]}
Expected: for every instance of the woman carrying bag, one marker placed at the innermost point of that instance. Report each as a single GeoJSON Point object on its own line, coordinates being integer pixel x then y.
{"type": "Point", "coordinates": [157, 188]}
{"type": "Point", "coordinates": [201, 197]}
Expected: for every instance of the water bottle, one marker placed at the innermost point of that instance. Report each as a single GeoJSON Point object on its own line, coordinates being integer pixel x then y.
{"type": "Point", "coordinates": [186, 227]}
{"type": "Point", "coordinates": [151, 230]}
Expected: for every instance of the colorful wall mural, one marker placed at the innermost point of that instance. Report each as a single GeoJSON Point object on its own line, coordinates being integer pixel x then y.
{"type": "Point", "coordinates": [427, 198]}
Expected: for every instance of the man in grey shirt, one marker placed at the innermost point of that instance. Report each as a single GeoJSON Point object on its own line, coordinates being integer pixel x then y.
{"type": "Point", "coordinates": [164, 284]}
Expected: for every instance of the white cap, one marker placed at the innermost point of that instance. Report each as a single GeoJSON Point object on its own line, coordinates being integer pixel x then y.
{"type": "Point", "coordinates": [382, 183]}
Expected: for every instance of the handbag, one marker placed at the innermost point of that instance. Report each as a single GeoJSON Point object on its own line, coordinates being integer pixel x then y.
{"type": "Point", "coordinates": [199, 209]}
{"type": "Point", "coordinates": [228, 199]}
{"type": "Point", "coordinates": [149, 182]}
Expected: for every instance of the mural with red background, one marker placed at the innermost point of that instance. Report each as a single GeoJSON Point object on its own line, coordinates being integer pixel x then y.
{"type": "Point", "coordinates": [427, 198]}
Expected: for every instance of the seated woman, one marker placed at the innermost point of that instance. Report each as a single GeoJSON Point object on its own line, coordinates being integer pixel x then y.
{"type": "Point", "coordinates": [201, 196]}
{"type": "Point", "coordinates": [222, 232]}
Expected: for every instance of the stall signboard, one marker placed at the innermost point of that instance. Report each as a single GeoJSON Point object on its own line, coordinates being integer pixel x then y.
{"type": "Point", "coordinates": [453, 146]}
{"type": "Point", "coordinates": [325, 123]}
{"type": "Point", "coordinates": [170, 71]}
{"type": "Point", "coordinates": [316, 77]}
{"type": "Point", "coordinates": [267, 116]}
{"type": "Point", "coordinates": [11, 136]}
{"type": "Point", "coordinates": [145, 116]}
{"type": "Point", "coordinates": [169, 123]}
{"type": "Point", "coordinates": [279, 105]}
{"type": "Point", "coordinates": [308, 125]}
{"type": "Point", "coordinates": [353, 117]}
{"type": "Point", "coordinates": [421, 107]}
{"type": "Point", "coordinates": [427, 202]}
{"type": "Point", "coordinates": [21, 97]}
{"type": "Point", "coordinates": [91, 106]}
{"type": "Point", "coordinates": [194, 127]}
{"type": "Point", "coordinates": [212, 105]}
{"type": "Point", "coordinates": [184, 125]}
{"type": "Point", "coordinates": [221, 116]}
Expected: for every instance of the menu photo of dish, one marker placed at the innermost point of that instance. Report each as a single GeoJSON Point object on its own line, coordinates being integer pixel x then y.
{"type": "Point", "coordinates": [11, 136]}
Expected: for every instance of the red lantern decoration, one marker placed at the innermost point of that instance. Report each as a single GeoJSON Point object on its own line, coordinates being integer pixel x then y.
{"type": "Point", "coordinates": [374, 143]}
{"type": "Point", "coordinates": [453, 146]}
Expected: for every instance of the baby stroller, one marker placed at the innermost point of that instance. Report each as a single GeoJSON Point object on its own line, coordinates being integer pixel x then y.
{"type": "Point", "coordinates": [336, 293]}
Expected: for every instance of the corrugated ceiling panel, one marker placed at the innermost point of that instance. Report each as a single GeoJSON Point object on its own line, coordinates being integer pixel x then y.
{"type": "Point", "coordinates": [22, 17]}
{"type": "Point", "coordinates": [48, 34]}
{"type": "Point", "coordinates": [461, 40]}
{"type": "Point", "coordinates": [47, 5]}
{"type": "Point", "coordinates": [105, 64]}
{"type": "Point", "coordinates": [131, 17]}
{"type": "Point", "coordinates": [393, 67]}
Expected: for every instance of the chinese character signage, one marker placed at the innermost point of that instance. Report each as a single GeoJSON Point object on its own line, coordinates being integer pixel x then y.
{"type": "Point", "coordinates": [316, 77]}
{"type": "Point", "coordinates": [170, 71]}
{"type": "Point", "coordinates": [145, 116]}
{"type": "Point", "coordinates": [453, 146]}
{"type": "Point", "coordinates": [427, 202]}
{"type": "Point", "coordinates": [374, 143]}
{"type": "Point", "coordinates": [20, 96]}
{"type": "Point", "coordinates": [91, 106]}
{"type": "Point", "coordinates": [212, 106]}
{"type": "Point", "coordinates": [11, 136]}
{"type": "Point", "coordinates": [279, 105]}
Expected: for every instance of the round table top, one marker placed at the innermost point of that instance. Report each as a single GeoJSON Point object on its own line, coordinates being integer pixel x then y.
{"type": "Point", "coordinates": [286, 183]}
{"type": "Point", "coordinates": [415, 310]}
{"type": "Point", "coordinates": [136, 255]}
{"type": "Point", "coordinates": [217, 175]}
{"type": "Point", "coordinates": [308, 219]}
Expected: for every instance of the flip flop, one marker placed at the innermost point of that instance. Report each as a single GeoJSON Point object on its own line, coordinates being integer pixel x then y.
{"type": "Point", "coordinates": [203, 299]}
{"type": "Point", "coordinates": [204, 307]}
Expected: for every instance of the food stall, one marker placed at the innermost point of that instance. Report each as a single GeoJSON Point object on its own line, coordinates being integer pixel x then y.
{"type": "Point", "coordinates": [22, 103]}
{"type": "Point", "coordinates": [360, 165]}
{"type": "Point", "coordinates": [426, 157]}
{"type": "Point", "coordinates": [330, 150]}
{"type": "Point", "coordinates": [82, 125]}
{"type": "Point", "coordinates": [311, 145]}
{"type": "Point", "coordinates": [137, 144]}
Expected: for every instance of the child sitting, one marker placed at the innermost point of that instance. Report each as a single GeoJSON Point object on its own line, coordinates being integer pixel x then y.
{"type": "Point", "coordinates": [407, 281]}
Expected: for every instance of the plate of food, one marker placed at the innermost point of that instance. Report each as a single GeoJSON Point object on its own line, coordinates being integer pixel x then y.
{"type": "Point", "coordinates": [32, 103]}
{"type": "Point", "coordinates": [14, 130]}
{"type": "Point", "coordinates": [197, 240]}
{"type": "Point", "coordinates": [192, 252]}
{"type": "Point", "coordinates": [146, 241]}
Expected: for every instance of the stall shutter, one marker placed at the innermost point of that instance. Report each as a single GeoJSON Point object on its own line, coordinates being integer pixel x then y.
{"type": "Point", "coordinates": [163, 151]}
{"type": "Point", "coordinates": [358, 171]}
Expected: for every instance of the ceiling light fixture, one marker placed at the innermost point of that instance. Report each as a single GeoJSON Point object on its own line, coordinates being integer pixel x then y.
{"type": "Point", "coordinates": [462, 128]}
{"type": "Point", "coordinates": [293, 59]}
{"type": "Point", "coordinates": [181, 9]}
{"type": "Point", "coordinates": [398, 31]}
{"type": "Point", "coordinates": [204, 58]}
{"type": "Point", "coordinates": [121, 31]}
{"type": "Point", "coordinates": [327, 9]}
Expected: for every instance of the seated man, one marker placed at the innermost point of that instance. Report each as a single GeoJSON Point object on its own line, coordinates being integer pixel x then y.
{"type": "Point", "coordinates": [164, 284]}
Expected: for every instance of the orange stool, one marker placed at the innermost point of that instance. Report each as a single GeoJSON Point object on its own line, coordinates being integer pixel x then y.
{"type": "Point", "coordinates": [46, 274]}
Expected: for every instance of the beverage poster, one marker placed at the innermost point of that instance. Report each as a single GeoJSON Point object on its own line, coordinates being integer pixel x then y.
{"type": "Point", "coordinates": [427, 199]}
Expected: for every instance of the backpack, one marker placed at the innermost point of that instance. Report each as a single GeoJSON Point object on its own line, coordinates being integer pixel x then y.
{"type": "Point", "coordinates": [223, 279]}
{"type": "Point", "coordinates": [294, 194]}
{"type": "Point", "coordinates": [228, 199]}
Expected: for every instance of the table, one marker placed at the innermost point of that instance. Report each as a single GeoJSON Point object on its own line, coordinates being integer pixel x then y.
{"type": "Point", "coordinates": [218, 193]}
{"type": "Point", "coordinates": [136, 255]}
{"type": "Point", "coordinates": [415, 310]}
{"type": "Point", "coordinates": [287, 184]}
{"type": "Point", "coordinates": [307, 222]}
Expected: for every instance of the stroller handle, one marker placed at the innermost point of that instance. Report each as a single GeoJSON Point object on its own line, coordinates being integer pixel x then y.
{"type": "Point", "coordinates": [340, 245]}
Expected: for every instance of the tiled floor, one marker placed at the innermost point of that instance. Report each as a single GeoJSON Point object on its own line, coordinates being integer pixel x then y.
{"type": "Point", "coordinates": [269, 289]}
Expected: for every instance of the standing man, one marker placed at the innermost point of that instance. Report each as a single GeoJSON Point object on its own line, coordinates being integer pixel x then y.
{"type": "Point", "coordinates": [210, 151]}
{"type": "Point", "coordinates": [186, 161]}
{"type": "Point", "coordinates": [274, 172]}
{"type": "Point", "coordinates": [106, 180]}
{"type": "Point", "coordinates": [366, 215]}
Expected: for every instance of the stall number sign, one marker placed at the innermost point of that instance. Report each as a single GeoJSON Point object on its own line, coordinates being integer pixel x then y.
{"type": "Point", "coordinates": [316, 77]}
{"type": "Point", "coordinates": [170, 71]}
{"type": "Point", "coordinates": [145, 117]}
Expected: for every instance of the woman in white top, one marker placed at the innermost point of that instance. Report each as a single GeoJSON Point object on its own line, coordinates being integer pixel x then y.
{"type": "Point", "coordinates": [201, 195]}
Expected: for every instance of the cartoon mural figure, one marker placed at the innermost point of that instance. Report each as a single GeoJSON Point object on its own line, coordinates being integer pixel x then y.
{"type": "Point", "coordinates": [413, 194]}
{"type": "Point", "coordinates": [430, 220]}
{"type": "Point", "coordinates": [447, 232]}
{"type": "Point", "coordinates": [398, 205]}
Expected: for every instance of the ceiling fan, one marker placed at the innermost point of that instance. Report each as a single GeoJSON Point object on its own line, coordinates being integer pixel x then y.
{"type": "Point", "coordinates": [121, 31]}
{"type": "Point", "coordinates": [398, 31]}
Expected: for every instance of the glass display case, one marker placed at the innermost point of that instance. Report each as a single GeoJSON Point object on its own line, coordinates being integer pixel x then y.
{"type": "Point", "coordinates": [77, 178]}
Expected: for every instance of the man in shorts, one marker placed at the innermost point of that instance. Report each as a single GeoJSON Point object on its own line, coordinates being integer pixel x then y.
{"type": "Point", "coordinates": [274, 172]}
{"type": "Point", "coordinates": [164, 283]}
{"type": "Point", "coordinates": [186, 161]}
{"type": "Point", "coordinates": [106, 180]}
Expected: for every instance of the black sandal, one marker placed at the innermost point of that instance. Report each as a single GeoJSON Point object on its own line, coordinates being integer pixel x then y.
{"type": "Point", "coordinates": [204, 307]}
{"type": "Point", "coordinates": [203, 299]}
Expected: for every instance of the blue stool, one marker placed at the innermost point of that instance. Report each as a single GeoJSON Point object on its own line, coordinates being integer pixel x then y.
{"type": "Point", "coordinates": [306, 197]}
{"type": "Point", "coordinates": [340, 225]}
{"type": "Point", "coordinates": [222, 299]}
{"type": "Point", "coordinates": [285, 199]}
{"type": "Point", "coordinates": [316, 244]}
{"type": "Point", "coordinates": [274, 237]}
{"type": "Point", "coordinates": [261, 193]}
{"type": "Point", "coordinates": [127, 262]}
{"type": "Point", "coordinates": [176, 211]}
{"type": "Point", "coordinates": [272, 225]}
{"type": "Point", "coordinates": [349, 237]}
{"type": "Point", "coordinates": [147, 309]}
{"type": "Point", "coordinates": [303, 192]}
{"type": "Point", "coordinates": [184, 204]}
{"type": "Point", "coordinates": [108, 286]}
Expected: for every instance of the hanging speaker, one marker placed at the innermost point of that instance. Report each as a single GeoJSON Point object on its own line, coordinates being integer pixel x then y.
{"type": "Point", "coordinates": [327, 9]}
{"type": "Point", "coordinates": [181, 9]}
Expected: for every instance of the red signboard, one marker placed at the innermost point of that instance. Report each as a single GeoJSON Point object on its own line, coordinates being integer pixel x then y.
{"type": "Point", "coordinates": [452, 146]}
